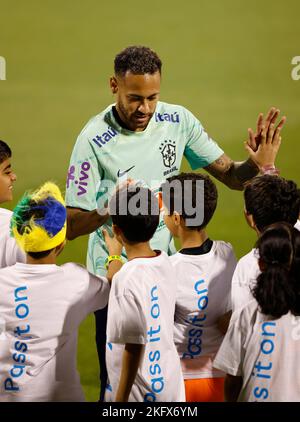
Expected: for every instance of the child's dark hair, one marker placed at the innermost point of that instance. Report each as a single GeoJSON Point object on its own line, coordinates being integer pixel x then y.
{"type": "Point", "coordinates": [271, 199]}
{"type": "Point", "coordinates": [5, 151]}
{"type": "Point", "coordinates": [37, 211]}
{"type": "Point", "coordinates": [277, 290]}
{"type": "Point", "coordinates": [135, 210]}
{"type": "Point", "coordinates": [186, 195]}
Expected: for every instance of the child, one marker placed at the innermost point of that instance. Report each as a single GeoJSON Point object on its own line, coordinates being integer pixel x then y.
{"type": "Point", "coordinates": [204, 269]}
{"type": "Point", "coordinates": [261, 349]}
{"type": "Point", "coordinates": [9, 251]}
{"type": "Point", "coordinates": [42, 306]}
{"type": "Point", "coordinates": [141, 357]}
{"type": "Point", "coordinates": [268, 200]}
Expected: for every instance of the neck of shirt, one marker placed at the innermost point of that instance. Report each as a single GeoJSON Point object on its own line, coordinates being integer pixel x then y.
{"type": "Point", "coordinates": [198, 250]}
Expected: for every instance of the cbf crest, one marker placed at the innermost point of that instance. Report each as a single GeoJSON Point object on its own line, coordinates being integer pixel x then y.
{"type": "Point", "coordinates": [168, 152]}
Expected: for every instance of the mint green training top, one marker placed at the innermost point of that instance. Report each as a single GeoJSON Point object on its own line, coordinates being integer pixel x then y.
{"type": "Point", "coordinates": [105, 153]}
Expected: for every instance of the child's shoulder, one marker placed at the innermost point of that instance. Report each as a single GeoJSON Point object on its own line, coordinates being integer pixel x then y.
{"type": "Point", "coordinates": [223, 247]}
{"type": "Point", "coordinates": [74, 267]}
{"type": "Point", "coordinates": [219, 248]}
{"type": "Point", "coordinates": [5, 215]}
{"type": "Point", "coordinates": [249, 259]}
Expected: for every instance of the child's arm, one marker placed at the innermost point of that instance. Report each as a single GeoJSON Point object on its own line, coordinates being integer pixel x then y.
{"type": "Point", "coordinates": [114, 248]}
{"type": "Point", "coordinates": [131, 359]}
{"type": "Point", "coordinates": [232, 387]}
{"type": "Point", "coordinates": [223, 322]}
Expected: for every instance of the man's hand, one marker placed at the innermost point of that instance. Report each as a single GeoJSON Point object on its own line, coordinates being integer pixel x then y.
{"type": "Point", "coordinates": [254, 139]}
{"type": "Point", "coordinates": [267, 144]}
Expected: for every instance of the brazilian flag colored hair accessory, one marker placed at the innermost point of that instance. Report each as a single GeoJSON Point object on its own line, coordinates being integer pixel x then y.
{"type": "Point", "coordinates": [39, 220]}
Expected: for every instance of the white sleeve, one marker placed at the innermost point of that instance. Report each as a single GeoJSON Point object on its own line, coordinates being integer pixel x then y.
{"type": "Point", "coordinates": [13, 253]}
{"type": "Point", "coordinates": [230, 356]}
{"type": "Point", "coordinates": [96, 294]}
{"type": "Point", "coordinates": [230, 268]}
{"type": "Point", "coordinates": [126, 322]}
{"type": "Point", "coordinates": [240, 289]}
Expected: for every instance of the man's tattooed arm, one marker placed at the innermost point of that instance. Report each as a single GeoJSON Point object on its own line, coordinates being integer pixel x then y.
{"type": "Point", "coordinates": [232, 174]}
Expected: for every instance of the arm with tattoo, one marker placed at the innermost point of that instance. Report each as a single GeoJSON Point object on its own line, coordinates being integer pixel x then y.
{"type": "Point", "coordinates": [232, 174]}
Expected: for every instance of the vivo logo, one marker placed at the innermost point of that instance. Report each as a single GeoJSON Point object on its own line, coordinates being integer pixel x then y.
{"type": "Point", "coordinates": [2, 69]}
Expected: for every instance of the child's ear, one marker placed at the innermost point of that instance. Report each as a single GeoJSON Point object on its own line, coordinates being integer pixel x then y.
{"type": "Point", "coordinates": [118, 233]}
{"type": "Point", "coordinates": [60, 248]}
{"type": "Point", "coordinates": [261, 265]}
{"type": "Point", "coordinates": [249, 219]}
{"type": "Point", "coordinates": [176, 218]}
{"type": "Point", "coordinates": [116, 230]}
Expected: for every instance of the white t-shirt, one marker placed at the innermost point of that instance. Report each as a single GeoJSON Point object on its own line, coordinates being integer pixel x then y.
{"type": "Point", "coordinates": [141, 311]}
{"type": "Point", "coordinates": [9, 251]}
{"type": "Point", "coordinates": [203, 295]}
{"type": "Point", "coordinates": [244, 279]}
{"type": "Point", "coordinates": [245, 276]}
{"type": "Point", "coordinates": [265, 352]}
{"type": "Point", "coordinates": [41, 308]}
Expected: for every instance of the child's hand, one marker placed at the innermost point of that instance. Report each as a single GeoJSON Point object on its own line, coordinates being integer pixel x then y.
{"type": "Point", "coordinates": [113, 245]}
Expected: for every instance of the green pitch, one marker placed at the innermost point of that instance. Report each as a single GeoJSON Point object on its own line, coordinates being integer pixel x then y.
{"type": "Point", "coordinates": [224, 60]}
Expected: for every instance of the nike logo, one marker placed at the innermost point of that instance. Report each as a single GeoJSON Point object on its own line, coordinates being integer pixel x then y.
{"type": "Point", "coordinates": [121, 173]}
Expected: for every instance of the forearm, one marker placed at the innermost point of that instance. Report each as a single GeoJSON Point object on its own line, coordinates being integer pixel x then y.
{"type": "Point", "coordinates": [233, 174]}
{"type": "Point", "coordinates": [132, 356]}
{"type": "Point", "coordinates": [113, 268]}
{"type": "Point", "coordinates": [82, 222]}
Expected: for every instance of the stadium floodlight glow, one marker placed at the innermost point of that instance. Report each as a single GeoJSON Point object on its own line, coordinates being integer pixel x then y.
{"type": "Point", "coordinates": [296, 70]}
{"type": "Point", "coordinates": [2, 69]}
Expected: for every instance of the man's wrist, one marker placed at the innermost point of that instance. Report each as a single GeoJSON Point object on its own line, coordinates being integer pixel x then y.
{"type": "Point", "coordinates": [269, 169]}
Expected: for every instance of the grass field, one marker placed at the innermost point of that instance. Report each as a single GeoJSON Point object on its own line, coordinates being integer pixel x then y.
{"type": "Point", "coordinates": [224, 60]}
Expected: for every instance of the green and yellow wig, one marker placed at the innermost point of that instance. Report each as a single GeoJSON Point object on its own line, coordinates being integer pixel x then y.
{"type": "Point", "coordinates": [39, 220]}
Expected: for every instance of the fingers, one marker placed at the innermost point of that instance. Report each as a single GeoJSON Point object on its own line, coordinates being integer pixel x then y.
{"type": "Point", "coordinates": [277, 137]}
{"type": "Point", "coordinates": [275, 115]}
{"type": "Point", "coordinates": [270, 133]}
{"type": "Point", "coordinates": [252, 141]}
{"type": "Point", "coordinates": [259, 122]}
{"type": "Point", "coordinates": [281, 123]}
{"type": "Point", "coordinates": [249, 149]}
{"type": "Point", "coordinates": [263, 135]}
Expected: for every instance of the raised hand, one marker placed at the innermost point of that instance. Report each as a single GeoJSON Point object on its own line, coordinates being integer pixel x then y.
{"type": "Point", "coordinates": [264, 148]}
{"type": "Point", "coordinates": [255, 138]}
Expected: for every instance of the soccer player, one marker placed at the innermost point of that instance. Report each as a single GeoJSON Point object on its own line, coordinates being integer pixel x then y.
{"type": "Point", "coordinates": [260, 352]}
{"type": "Point", "coordinates": [9, 251]}
{"type": "Point", "coordinates": [42, 305]}
{"type": "Point", "coordinates": [146, 139]}
{"type": "Point", "coordinates": [268, 199]}
{"type": "Point", "coordinates": [142, 361]}
{"type": "Point", "coordinates": [204, 268]}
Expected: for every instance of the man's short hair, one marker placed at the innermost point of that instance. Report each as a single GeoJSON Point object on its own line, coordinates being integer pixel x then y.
{"type": "Point", "coordinates": [138, 60]}
{"type": "Point", "coordinates": [272, 199]}
{"type": "Point", "coordinates": [135, 210]}
{"type": "Point", "coordinates": [189, 192]}
{"type": "Point", "coordinates": [5, 151]}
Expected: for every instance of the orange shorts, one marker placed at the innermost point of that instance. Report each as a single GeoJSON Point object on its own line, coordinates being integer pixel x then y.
{"type": "Point", "coordinates": [204, 390]}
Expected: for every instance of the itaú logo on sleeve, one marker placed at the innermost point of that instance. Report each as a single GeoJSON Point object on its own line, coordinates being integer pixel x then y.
{"type": "Point", "coordinates": [167, 117]}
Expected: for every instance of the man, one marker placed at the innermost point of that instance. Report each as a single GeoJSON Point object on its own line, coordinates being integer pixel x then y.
{"type": "Point", "coordinates": [147, 140]}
